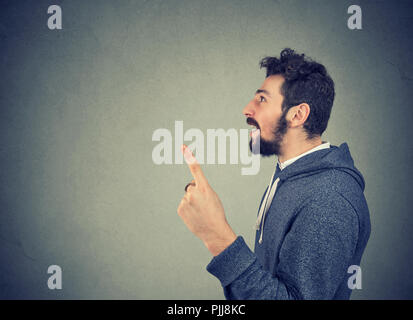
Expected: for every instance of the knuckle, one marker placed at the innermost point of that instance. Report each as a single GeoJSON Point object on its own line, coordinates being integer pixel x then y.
{"type": "Point", "coordinates": [186, 197]}
{"type": "Point", "coordinates": [181, 211]}
{"type": "Point", "coordinates": [181, 206]}
{"type": "Point", "coordinates": [204, 188]}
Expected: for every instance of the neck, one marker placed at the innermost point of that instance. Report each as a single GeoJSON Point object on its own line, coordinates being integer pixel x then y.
{"type": "Point", "coordinates": [294, 147]}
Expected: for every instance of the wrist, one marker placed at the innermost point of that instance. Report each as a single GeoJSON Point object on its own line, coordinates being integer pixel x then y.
{"type": "Point", "coordinates": [219, 244]}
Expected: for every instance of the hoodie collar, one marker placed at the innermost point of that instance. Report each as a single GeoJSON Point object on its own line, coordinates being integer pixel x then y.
{"type": "Point", "coordinates": [284, 164]}
{"type": "Point", "coordinates": [338, 158]}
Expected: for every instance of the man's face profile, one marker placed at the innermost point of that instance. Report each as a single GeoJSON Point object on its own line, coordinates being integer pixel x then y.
{"type": "Point", "coordinates": [265, 113]}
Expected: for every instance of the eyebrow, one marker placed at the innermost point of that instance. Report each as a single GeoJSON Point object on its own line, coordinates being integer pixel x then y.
{"type": "Point", "coordinates": [263, 91]}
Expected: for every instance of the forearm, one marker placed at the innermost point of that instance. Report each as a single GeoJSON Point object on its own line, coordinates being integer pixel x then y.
{"type": "Point", "coordinates": [242, 276]}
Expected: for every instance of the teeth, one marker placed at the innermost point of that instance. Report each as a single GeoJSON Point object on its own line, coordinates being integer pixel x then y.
{"type": "Point", "coordinates": [255, 134]}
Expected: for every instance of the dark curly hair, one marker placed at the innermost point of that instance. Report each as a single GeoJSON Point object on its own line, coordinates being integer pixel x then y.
{"type": "Point", "coordinates": [305, 81]}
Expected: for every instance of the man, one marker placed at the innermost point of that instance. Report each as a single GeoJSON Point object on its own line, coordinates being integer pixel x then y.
{"type": "Point", "coordinates": [313, 222]}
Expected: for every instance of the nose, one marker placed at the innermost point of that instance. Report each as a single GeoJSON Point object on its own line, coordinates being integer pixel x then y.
{"type": "Point", "coordinates": [248, 111]}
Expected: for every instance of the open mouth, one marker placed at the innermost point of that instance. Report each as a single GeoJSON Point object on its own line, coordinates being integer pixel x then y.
{"type": "Point", "coordinates": [255, 130]}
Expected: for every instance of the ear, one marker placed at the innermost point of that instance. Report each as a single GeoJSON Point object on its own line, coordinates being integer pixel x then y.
{"type": "Point", "coordinates": [298, 115]}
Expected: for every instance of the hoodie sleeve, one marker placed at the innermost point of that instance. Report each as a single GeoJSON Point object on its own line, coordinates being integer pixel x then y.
{"type": "Point", "coordinates": [313, 257]}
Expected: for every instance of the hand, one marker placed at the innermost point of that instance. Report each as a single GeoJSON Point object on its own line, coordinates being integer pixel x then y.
{"type": "Point", "coordinates": [202, 210]}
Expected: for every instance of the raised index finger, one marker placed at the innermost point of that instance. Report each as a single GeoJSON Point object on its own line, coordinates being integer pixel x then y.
{"type": "Point", "coordinates": [194, 166]}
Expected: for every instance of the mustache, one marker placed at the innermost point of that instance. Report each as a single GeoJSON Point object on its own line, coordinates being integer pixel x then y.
{"type": "Point", "coordinates": [251, 121]}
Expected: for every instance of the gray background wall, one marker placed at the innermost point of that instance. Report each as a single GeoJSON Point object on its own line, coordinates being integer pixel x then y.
{"type": "Point", "coordinates": [78, 107]}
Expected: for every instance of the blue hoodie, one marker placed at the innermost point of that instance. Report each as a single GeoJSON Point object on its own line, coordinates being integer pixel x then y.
{"type": "Point", "coordinates": [316, 227]}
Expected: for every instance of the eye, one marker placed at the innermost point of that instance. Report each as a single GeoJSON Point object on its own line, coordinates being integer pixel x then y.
{"type": "Point", "coordinates": [262, 99]}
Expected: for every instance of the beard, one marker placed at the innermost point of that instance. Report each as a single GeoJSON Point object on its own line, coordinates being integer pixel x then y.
{"type": "Point", "coordinates": [271, 147]}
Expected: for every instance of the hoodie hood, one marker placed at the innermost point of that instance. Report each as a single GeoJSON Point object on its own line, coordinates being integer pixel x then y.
{"type": "Point", "coordinates": [338, 158]}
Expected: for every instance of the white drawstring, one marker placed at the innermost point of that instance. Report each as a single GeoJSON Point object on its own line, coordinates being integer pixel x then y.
{"type": "Point", "coordinates": [257, 223]}
{"type": "Point", "coordinates": [269, 195]}
{"type": "Point", "coordinates": [267, 205]}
